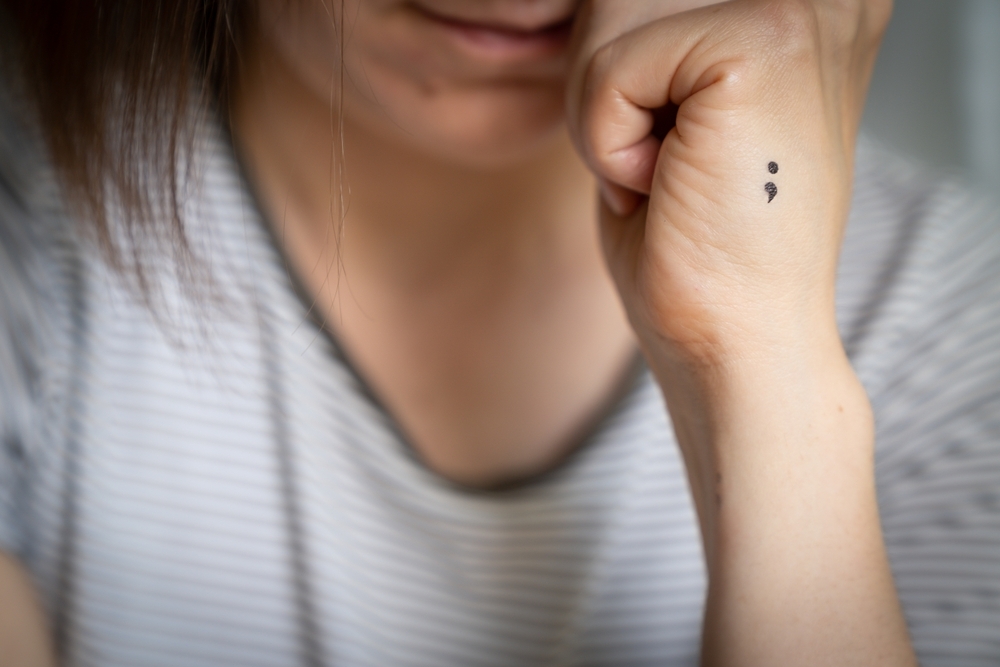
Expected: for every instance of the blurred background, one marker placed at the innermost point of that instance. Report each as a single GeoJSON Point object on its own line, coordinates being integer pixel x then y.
{"type": "Point", "coordinates": [935, 94]}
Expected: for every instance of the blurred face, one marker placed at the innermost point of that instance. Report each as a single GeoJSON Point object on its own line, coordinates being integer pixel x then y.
{"type": "Point", "coordinates": [473, 82]}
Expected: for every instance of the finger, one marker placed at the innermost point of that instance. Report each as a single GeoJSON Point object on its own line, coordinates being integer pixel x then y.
{"type": "Point", "coordinates": [621, 201]}
{"type": "Point", "coordinates": [627, 81]}
{"type": "Point", "coordinates": [622, 238]}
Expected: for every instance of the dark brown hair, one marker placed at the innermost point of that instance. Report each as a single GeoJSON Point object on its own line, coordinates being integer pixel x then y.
{"type": "Point", "coordinates": [112, 85]}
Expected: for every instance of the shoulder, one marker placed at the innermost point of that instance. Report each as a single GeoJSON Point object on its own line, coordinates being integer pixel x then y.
{"type": "Point", "coordinates": [920, 266]}
{"type": "Point", "coordinates": [36, 258]}
{"type": "Point", "coordinates": [920, 285]}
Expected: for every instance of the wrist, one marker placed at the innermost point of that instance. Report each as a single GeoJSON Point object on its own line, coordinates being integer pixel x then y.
{"type": "Point", "coordinates": [763, 426]}
{"type": "Point", "coordinates": [741, 341]}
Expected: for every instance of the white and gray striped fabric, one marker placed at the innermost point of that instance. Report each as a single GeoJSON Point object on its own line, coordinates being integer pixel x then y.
{"type": "Point", "coordinates": [145, 462]}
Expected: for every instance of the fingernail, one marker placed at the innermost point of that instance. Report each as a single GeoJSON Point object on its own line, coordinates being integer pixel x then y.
{"type": "Point", "coordinates": [613, 199]}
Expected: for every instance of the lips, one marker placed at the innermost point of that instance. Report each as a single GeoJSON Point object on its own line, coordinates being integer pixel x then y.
{"type": "Point", "coordinates": [512, 38]}
{"type": "Point", "coordinates": [512, 23]}
{"type": "Point", "coordinates": [513, 17]}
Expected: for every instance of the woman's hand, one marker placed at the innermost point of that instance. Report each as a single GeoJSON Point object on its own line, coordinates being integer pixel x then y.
{"type": "Point", "coordinates": [723, 240]}
{"type": "Point", "coordinates": [712, 259]}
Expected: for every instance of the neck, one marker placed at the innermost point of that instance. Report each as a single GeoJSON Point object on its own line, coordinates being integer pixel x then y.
{"type": "Point", "coordinates": [393, 210]}
{"type": "Point", "coordinates": [475, 301]}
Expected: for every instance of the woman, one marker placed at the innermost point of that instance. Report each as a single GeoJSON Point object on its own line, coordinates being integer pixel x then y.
{"type": "Point", "coordinates": [337, 375]}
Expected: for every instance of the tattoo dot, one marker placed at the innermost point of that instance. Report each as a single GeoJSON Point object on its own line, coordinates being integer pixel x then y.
{"type": "Point", "coordinates": [772, 167]}
{"type": "Point", "coordinates": [771, 190]}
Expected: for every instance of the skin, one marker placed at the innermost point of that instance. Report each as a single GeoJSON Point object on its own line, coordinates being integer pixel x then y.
{"type": "Point", "coordinates": [24, 639]}
{"type": "Point", "coordinates": [471, 294]}
{"type": "Point", "coordinates": [494, 307]}
{"type": "Point", "coordinates": [486, 255]}
{"type": "Point", "coordinates": [732, 299]}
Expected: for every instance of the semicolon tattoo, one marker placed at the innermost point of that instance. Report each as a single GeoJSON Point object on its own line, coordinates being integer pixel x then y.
{"type": "Point", "coordinates": [770, 188]}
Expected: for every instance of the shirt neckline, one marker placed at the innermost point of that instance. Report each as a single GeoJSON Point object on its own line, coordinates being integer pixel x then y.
{"type": "Point", "coordinates": [627, 383]}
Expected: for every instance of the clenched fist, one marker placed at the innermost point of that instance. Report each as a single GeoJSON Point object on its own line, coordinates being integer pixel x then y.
{"type": "Point", "coordinates": [724, 235]}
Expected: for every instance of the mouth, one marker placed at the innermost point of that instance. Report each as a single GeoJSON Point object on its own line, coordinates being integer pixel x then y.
{"type": "Point", "coordinates": [498, 41]}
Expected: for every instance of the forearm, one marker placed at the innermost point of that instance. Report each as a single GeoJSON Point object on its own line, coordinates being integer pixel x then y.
{"type": "Point", "coordinates": [722, 239]}
{"type": "Point", "coordinates": [24, 640]}
{"type": "Point", "coordinates": [779, 450]}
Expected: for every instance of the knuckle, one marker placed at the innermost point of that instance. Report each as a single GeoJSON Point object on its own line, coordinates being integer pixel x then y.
{"type": "Point", "coordinates": [791, 27]}
{"type": "Point", "coordinates": [597, 73]}
{"type": "Point", "coordinates": [739, 77]}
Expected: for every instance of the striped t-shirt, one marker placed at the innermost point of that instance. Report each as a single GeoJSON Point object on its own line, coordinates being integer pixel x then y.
{"type": "Point", "coordinates": [207, 482]}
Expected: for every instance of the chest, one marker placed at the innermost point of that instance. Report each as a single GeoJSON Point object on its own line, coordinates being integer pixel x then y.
{"type": "Point", "coordinates": [488, 389]}
{"type": "Point", "coordinates": [180, 548]}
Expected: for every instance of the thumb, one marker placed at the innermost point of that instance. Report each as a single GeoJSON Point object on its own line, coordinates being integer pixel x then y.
{"type": "Point", "coordinates": [628, 97]}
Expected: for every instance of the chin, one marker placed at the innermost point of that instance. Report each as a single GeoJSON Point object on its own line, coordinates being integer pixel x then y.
{"type": "Point", "coordinates": [492, 128]}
